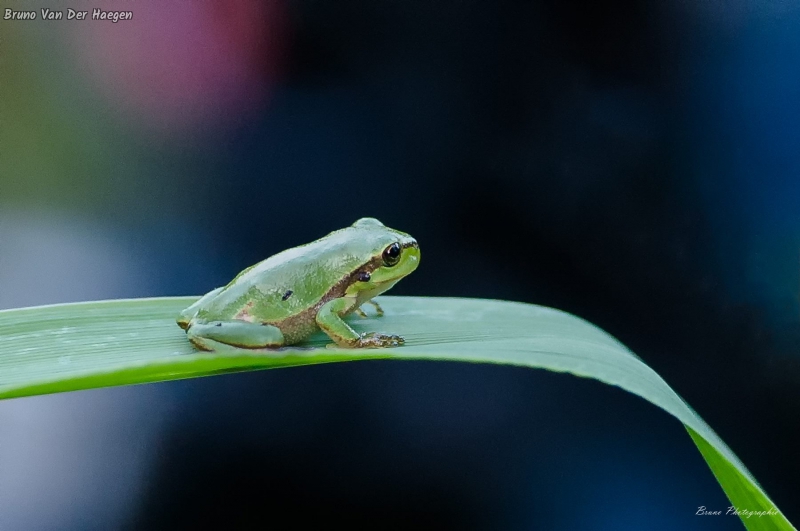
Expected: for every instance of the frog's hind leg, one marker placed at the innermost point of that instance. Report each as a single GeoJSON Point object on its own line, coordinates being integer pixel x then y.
{"type": "Point", "coordinates": [236, 335]}
{"type": "Point", "coordinates": [188, 314]}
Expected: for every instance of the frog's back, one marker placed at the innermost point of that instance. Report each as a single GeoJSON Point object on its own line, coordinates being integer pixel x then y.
{"type": "Point", "coordinates": [296, 280]}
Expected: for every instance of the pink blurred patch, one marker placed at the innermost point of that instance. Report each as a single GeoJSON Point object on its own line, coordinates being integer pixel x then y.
{"type": "Point", "coordinates": [182, 64]}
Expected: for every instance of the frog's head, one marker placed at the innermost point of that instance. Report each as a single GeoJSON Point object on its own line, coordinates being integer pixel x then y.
{"type": "Point", "coordinates": [394, 255]}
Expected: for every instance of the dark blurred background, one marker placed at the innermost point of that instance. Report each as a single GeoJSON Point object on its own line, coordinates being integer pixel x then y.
{"type": "Point", "coordinates": [634, 163]}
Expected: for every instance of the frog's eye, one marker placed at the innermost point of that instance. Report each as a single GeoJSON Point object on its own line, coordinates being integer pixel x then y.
{"type": "Point", "coordinates": [391, 255]}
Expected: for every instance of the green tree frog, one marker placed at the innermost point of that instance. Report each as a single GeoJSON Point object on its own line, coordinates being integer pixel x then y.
{"type": "Point", "coordinates": [285, 298]}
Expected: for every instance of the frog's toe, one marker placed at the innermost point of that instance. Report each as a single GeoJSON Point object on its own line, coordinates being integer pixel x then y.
{"type": "Point", "coordinates": [377, 340]}
{"type": "Point", "coordinates": [202, 344]}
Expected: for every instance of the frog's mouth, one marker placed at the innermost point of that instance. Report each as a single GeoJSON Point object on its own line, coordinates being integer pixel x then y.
{"type": "Point", "coordinates": [385, 285]}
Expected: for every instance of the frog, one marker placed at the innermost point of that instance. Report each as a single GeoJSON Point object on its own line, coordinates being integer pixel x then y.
{"type": "Point", "coordinates": [282, 300]}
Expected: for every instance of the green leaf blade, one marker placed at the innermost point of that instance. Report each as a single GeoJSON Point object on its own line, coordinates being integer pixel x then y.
{"type": "Point", "coordinates": [86, 345]}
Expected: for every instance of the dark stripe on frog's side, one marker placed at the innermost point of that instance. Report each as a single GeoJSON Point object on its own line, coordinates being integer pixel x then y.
{"type": "Point", "coordinates": [304, 324]}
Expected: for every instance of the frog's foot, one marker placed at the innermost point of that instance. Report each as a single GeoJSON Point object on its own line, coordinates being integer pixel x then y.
{"type": "Point", "coordinates": [361, 313]}
{"type": "Point", "coordinates": [370, 340]}
{"type": "Point", "coordinates": [234, 335]}
{"type": "Point", "coordinates": [378, 340]}
{"type": "Point", "coordinates": [186, 316]}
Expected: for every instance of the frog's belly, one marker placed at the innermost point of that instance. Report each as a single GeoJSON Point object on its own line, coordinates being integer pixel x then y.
{"type": "Point", "coordinates": [297, 327]}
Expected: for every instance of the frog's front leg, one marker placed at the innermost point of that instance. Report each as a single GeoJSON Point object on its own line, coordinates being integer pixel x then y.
{"type": "Point", "coordinates": [329, 319]}
{"type": "Point", "coordinates": [378, 309]}
{"type": "Point", "coordinates": [224, 335]}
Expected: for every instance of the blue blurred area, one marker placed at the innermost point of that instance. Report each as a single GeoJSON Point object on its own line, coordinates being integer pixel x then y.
{"type": "Point", "coordinates": [630, 162]}
{"type": "Point", "coordinates": [746, 134]}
